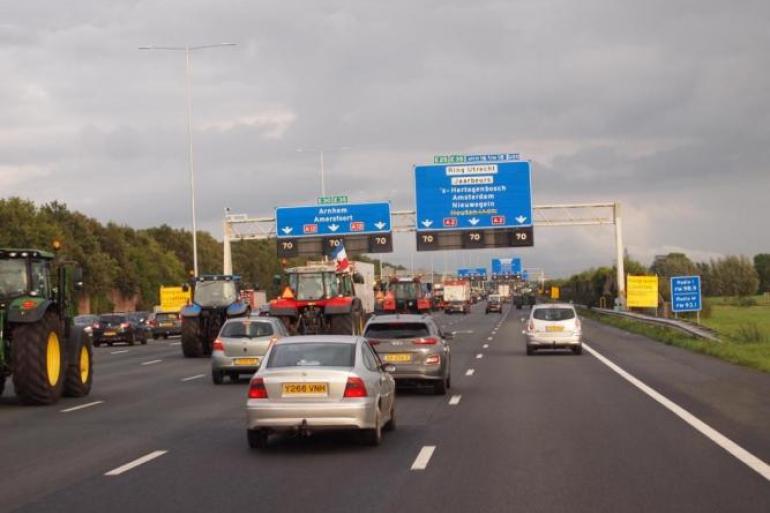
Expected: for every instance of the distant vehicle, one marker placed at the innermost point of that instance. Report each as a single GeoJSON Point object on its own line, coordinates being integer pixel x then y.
{"type": "Point", "coordinates": [86, 322]}
{"type": "Point", "coordinates": [321, 382]}
{"type": "Point", "coordinates": [553, 326]}
{"type": "Point", "coordinates": [406, 295]}
{"type": "Point", "coordinates": [494, 304]}
{"type": "Point", "coordinates": [113, 328]}
{"type": "Point", "coordinates": [140, 320]}
{"type": "Point", "coordinates": [457, 296]}
{"type": "Point", "coordinates": [241, 345]}
{"type": "Point", "coordinates": [504, 291]}
{"type": "Point", "coordinates": [416, 346]}
{"type": "Point", "coordinates": [165, 324]}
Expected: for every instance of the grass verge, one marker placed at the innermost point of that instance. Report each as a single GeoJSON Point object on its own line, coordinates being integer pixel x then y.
{"type": "Point", "coordinates": [749, 354]}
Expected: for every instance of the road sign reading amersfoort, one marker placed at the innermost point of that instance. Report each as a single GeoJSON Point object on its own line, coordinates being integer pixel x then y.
{"type": "Point", "coordinates": [685, 294]}
{"type": "Point", "coordinates": [314, 229]}
{"type": "Point", "coordinates": [473, 205]}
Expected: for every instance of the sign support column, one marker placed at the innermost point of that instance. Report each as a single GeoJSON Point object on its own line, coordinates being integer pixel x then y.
{"type": "Point", "coordinates": [619, 255]}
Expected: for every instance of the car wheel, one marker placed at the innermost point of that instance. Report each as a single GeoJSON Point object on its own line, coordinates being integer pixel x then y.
{"type": "Point", "coordinates": [97, 344]}
{"type": "Point", "coordinates": [257, 438]}
{"type": "Point", "coordinates": [391, 424]}
{"type": "Point", "coordinates": [530, 350]}
{"type": "Point", "coordinates": [132, 340]}
{"type": "Point", "coordinates": [578, 349]}
{"type": "Point", "coordinates": [165, 336]}
{"type": "Point", "coordinates": [235, 377]}
{"type": "Point", "coordinates": [109, 344]}
{"type": "Point", "coordinates": [449, 381]}
{"type": "Point", "coordinates": [217, 377]}
{"type": "Point", "coordinates": [373, 437]}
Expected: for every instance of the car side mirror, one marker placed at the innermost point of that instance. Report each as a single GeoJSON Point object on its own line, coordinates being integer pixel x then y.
{"type": "Point", "coordinates": [389, 368]}
{"type": "Point", "coordinates": [358, 278]}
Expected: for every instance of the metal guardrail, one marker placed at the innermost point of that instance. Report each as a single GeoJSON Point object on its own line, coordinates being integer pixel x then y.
{"type": "Point", "coordinates": [686, 327]}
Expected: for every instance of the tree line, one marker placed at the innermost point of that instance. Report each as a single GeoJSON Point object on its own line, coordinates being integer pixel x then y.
{"type": "Point", "coordinates": [735, 276]}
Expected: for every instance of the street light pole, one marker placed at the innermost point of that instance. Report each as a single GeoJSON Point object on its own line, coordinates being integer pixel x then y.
{"type": "Point", "coordinates": [190, 160]}
{"type": "Point", "coordinates": [321, 152]}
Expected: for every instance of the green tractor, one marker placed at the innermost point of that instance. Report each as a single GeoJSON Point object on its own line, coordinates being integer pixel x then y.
{"type": "Point", "coordinates": [40, 348]}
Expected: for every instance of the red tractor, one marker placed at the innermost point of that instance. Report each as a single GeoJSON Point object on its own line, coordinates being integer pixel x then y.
{"type": "Point", "coordinates": [406, 295]}
{"type": "Point", "coordinates": [318, 299]}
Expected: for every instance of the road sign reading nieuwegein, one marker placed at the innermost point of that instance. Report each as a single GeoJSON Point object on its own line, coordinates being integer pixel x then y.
{"type": "Point", "coordinates": [480, 203]}
{"type": "Point", "coordinates": [319, 229]}
{"type": "Point", "coordinates": [472, 272]}
{"type": "Point", "coordinates": [506, 267]}
{"type": "Point", "coordinates": [686, 294]}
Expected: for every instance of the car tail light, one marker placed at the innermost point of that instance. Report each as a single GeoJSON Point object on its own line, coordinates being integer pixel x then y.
{"type": "Point", "coordinates": [257, 389]}
{"type": "Point", "coordinates": [355, 387]}
{"type": "Point", "coordinates": [433, 359]}
{"type": "Point", "coordinates": [218, 346]}
{"type": "Point", "coordinates": [425, 341]}
{"type": "Point", "coordinates": [577, 324]}
{"type": "Point", "coordinates": [531, 325]}
{"type": "Point", "coordinates": [124, 325]}
{"type": "Point", "coordinates": [96, 326]}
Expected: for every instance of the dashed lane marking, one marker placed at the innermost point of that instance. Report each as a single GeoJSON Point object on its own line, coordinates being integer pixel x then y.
{"type": "Point", "coordinates": [151, 362]}
{"type": "Point", "coordinates": [485, 346]}
{"type": "Point", "coordinates": [133, 464]}
{"type": "Point", "coordinates": [82, 406]}
{"type": "Point", "coordinates": [120, 352]}
{"type": "Point", "coordinates": [197, 376]}
{"type": "Point", "coordinates": [423, 457]}
{"type": "Point", "coordinates": [744, 456]}
{"type": "Point", "coordinates": [469, 372]}
{"type": "Point", "coordinates": [479, 356]}
{"type": "Point", "coordinates": [455, 400]}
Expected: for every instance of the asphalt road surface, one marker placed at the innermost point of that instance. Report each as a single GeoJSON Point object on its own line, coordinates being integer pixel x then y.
{"type": "Point", "coordinates": [631, 425]}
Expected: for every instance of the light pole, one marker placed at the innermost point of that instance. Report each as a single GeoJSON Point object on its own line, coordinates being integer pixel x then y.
{"type": "Point", "coordinates": [187, 49]}
{"type": "Point", "coordinates": [321, 152]}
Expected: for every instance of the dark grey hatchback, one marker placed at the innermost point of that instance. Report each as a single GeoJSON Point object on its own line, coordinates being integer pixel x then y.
{"type": "Point", "coordinates": [415, 345]}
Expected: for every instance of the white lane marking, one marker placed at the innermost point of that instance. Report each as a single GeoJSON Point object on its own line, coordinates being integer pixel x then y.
{"type": "Point", "coordinates": [744, 456]}
{"type": "Point", "coordinates": [151, 362]}
{"type": "Point", "coordinates": [120, 352]}
{"type": "Point", "coordinates": [455, 400]}
{"type": "Point", "coordinates": [479, 356]}
{"type": "Point", "coordinates": [490, 338]}
{"type": "Point", "coordinates": [469, 372]}
{"type": "Point", "coordinates": [197, 376]}
{"type": "Point", "coordinates": [82, 406]}
{"type": "Point", "coordinates": [485, 346]}
{"type": "Point", "coordinates": [463, 332]}
{"type": "Point", "coordinates": [133, 464]}
{"type": "Point", "coordinates": [175, 343]}
{"type": "Point", "coordinates": [423, 458]}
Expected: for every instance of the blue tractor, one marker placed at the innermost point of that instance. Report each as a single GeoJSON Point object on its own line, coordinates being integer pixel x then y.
{"type": "Point", "coordinates": [216, 298]}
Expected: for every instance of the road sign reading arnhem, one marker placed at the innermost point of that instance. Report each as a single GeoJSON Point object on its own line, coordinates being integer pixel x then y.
{"type": "Point", "coordinates": [685, 294]}
{"type": "Point", "coordinates": [506, 267]}
{"type": "Point", "coordinates": [474, 205]}
{"type": "Point", "coordinates": [312, 230]}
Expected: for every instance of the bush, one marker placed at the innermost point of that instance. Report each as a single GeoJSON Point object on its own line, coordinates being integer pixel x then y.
{"type": "Point", "coordinates": [750, 333]}
{"type": "Point", "coordinates": [745, 301]}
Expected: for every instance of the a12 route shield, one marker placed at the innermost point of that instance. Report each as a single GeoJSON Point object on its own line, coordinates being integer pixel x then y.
{"type": "Point", "coordinates": [473, 196]}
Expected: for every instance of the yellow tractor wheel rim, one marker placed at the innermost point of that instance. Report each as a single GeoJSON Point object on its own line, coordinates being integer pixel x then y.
{"type": "Point", "coordinates": [85, 367]}
{"type": "Point", "coordinates": [53, 359]}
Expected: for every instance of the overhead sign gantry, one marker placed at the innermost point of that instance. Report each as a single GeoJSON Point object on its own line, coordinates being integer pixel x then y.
{"type": "Point", "coordinates": [506, 267]}
{"type": "Point", "coordinates": [474, 202]}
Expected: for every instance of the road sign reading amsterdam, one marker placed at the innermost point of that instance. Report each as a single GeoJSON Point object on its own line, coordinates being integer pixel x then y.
{"type": "Point", "coordinates": [685, 294]}
{"type": "Point", "coordinates": [473, 205]}
{"type": "Point", "coordinates": [309, 230]}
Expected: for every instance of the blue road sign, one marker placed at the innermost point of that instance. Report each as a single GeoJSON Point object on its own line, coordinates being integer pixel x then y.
{"type": "Point", "coordinates": [525, 275]}
{"type": "Point", "coordinates": [506, 267]}
{"type": "Point", "coordinates": [473, 196]}
{"type": "Point", "coordinates": [686, 294]}
{"type": "Point", "coordinates": [472, 272]}
{"type": "Point", "coordinates": [330, 220]}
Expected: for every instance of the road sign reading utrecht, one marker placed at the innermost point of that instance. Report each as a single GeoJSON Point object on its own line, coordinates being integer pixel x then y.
{"type": "Point", "coordinates": [506, 267]}
{"type": "Point", "coordinates": [332, 220]}
{"type": "Point", "coordinates": [488, 195]}
{"type": "Point", "coordinates": [472, 272]}
{"type": "Point", "coordinates": [686, 294]}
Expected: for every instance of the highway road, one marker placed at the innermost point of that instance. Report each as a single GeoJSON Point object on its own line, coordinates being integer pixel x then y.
{"type": "Point", "coordinates": [629, 426]}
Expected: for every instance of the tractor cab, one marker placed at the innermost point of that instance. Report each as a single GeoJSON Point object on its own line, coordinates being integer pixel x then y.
{"type": "Point", "coordinates": [406, 295]}
{"type": "Point", "coordinates": [216, 291]}
{"type": "Point", "coordinates": [25, 272]}
{"type": "Point", "coordinates": [317, 282]}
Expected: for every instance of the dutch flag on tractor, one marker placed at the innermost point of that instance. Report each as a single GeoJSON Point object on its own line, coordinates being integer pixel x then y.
{"type": "Point", "coordinates": [341, 257]}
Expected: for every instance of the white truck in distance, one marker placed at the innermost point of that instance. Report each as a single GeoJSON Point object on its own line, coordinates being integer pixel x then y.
{"type": "Point", "coordinates": [504, 290]}
{"type": "Point", "coordinates": [457, 296]}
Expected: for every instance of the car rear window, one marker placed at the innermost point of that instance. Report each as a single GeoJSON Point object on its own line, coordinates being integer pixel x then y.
{"type": "Point", "coordinates": [312, 354]}
{"type": "Point", "coordinates": [112, 318]}
{"type": "Point", "coordinates": [553, 314]}
{"type": "Point", "coordinates": [249, 329]}
{"type": "Point", "coordinates": [397, 330]}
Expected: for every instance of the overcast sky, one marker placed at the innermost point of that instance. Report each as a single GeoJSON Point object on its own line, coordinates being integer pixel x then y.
{"type": "Point", "coordinates": [661, 105]}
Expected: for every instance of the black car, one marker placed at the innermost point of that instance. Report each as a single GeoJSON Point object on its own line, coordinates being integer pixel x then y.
{"type": "Point", "coordinates": [112, 328]}
{"type": "Point", "coordinates": [165, 324]}
{"type": "Point", "coordinates": [141, 322]}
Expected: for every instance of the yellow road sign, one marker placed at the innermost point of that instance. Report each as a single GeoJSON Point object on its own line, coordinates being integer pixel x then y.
{"type": "Point", "coordinates": [172, 299]}
{"type": "Point", "coordinates": [642, 292]}
{"type": "Point", "coordinates": [555, 292]}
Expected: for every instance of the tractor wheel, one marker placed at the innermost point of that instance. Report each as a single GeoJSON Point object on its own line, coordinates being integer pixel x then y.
{"type": "Point", "coordinates": [39, 361]}
{"type": "Point", "coordinates": [192, 339]}
{"type": "Point", "coordinates": [80, 371]}
{"type": "Point", "coordinates": [2, 385]}
{"type": "Point", "coordinates": [342, 324]}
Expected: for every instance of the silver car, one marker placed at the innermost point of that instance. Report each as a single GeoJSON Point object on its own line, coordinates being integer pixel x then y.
{"type": "Point", "coordinates": [416, 346]}
{"type": "Point", "coordinates": [321, 382]}
{"type": "Point", "coordinates": [553, 326]}
{"type": "Point", "coordinates": [241, 345]}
